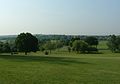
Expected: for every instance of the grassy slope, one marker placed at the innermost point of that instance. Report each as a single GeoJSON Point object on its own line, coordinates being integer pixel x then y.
{"type": "Point", "coordinates": [63, 69]}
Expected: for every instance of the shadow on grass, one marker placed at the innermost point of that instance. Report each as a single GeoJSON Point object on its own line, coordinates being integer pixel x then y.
{"type": "Point", "coordinates": [46, 59]}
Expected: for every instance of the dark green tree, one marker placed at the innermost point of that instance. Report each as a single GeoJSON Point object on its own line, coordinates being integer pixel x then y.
{"type": "Point", "coordinates": [91, 40]}
{"type": "Point", "coordinates": [83, 46]}
{"type": "Point", "coordinates": [114, 43]}
{"type": "Point", "coordinates": [69, 49]}
{"type": "Point", "coordinates": [26, 42]}
{"type": "Point", "coordinates": [6, 48]}
{"type": "Point", "coordinates": [1, 47]}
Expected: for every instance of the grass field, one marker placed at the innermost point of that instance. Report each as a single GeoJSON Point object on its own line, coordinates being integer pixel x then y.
{"type": "Point", "coordinates": [61, 68]}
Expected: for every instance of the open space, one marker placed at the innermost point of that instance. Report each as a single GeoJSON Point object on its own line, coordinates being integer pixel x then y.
{"type": "Point", "coordinates": [60, 68]}
{"type": "Point", "coordinates": [59, 41]}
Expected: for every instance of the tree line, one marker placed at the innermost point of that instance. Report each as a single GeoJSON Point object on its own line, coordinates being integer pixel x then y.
{"type": "Point", "coordinates": [26, 42]}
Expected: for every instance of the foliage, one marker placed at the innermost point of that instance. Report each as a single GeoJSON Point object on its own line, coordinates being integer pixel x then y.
{"type": "Point", "coordinates": [114, 43]}
{"type": "Point", "coordinates": [59, 44]}
{"type": "Point", "coordinates": [46, 52]}
{"type": "Point", "coordinates": [79, 45]}
{"type": "Point", "coordinates": [92, 49]}
{"type": "Point", "coordinates": [91, 40]}
{"type": "Point", "coordinates": [5, 47]}
{"type": "Point", "coordinates": [69, 49]}
{"type": "Point", "coordinates": [83, 47]}
{"type": "Point", "coordinates": [50, 46]}
{"type": "Point", "coordinates": [26, 42]}
{"type": "Point", "coordinates": [76, 45]}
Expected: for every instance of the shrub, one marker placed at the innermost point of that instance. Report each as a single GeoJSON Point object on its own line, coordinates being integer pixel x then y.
{"type": "Point", "coordinates": [46, 52]}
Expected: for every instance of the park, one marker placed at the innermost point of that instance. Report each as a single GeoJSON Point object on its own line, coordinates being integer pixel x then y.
{"type": "Point", "coordinates": [59, 41]}
{"type": "Point", "coordinates": [61, 66]}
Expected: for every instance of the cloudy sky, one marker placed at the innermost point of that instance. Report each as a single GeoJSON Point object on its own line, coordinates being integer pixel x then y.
{"type": "Point", "coordinates": [83, 17]}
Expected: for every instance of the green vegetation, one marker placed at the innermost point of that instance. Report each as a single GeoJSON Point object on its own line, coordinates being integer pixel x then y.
{"type": "Point", "coordinates": [26, 42]}
{"type": "Point", "coordinates": [114, 43]}
{"type": "Point", "coordinates": [60, 68]}
{"type": "Point", "coordinates": [91, 40]}
{"type": "Point", "coordinates": [85, 46]}
{"type": "Point", "coordinates": [102, 45]}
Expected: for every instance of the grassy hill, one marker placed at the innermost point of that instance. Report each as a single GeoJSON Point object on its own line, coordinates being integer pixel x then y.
{"type": "Point", "coordinates": [60, 69]}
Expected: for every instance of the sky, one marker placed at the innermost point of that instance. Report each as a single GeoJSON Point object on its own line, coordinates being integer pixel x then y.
{"type": "Point", "coordinates": [76, 17]}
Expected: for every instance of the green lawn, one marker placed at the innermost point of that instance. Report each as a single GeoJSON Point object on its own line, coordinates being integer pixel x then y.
{"type": "Point", "coordinates": [60, 68]}
{"type": "Point", "coordinates": [102, 45]}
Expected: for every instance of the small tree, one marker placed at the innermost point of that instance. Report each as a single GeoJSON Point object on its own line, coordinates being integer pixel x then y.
{"type": "Point", "coordinates": [50, 46]}
{"type": "Point", "coordinates": [83, 46]}
{"type": "Point", "coordinates": [69, 49]}
{"type": "Point", "coordinates": [76, 45]}
{"type": "Point", "coordinates": [26, 42]}
{"type": "Point", "coordinates": [59, 44]}
{"type": "Point", "coordinates": [80, 46]}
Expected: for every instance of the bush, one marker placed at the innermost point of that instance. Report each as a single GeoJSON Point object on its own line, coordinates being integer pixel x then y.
{"type": "Point", "coordinates": [92, 49]}
{"type": "Point", "coordinates": [114, 43]}
{"type": "Point", "coordinates": [46, 52]}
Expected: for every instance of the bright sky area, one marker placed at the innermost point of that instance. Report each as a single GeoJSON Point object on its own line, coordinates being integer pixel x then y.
{"type": "Point", "coordinates": [77, 17]}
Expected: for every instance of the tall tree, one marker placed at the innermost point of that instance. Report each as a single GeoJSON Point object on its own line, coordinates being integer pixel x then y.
{"type": "Point", "coordinates": [26, 42]}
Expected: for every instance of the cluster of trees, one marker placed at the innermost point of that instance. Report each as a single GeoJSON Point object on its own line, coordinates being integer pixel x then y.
{"type": "Point", "coordinates": [88, 45]}
{"type": "Point", "coordinates": [51, 45]}
{"type": "Point", "coordinates": [5, 47]}
{"type": "Point", "coordinates": [26, 42]}
{"type": "Point", "coordinates": [114, 43]}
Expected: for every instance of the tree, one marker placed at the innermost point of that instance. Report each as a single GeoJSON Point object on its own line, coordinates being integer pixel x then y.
{"type": "Point", "coordinates": [59, 44]}
{"type": "Point", "coordinates": [26, 42]}
{"type": "Point", "coordinates": [6, 48]}
{"type": "Point", "coordinates": [69, 49]}
{"type": "Point", "coordinates": [50, 46]}
{"type": "Point", "coordinates": [76, 45]}
{"type": "Point", "coordinates": [81, 46]}
{"type": "Point", "coordinates": [92, 41]}
{"type": "Point", "coordinates": [1, 47]}
{"type": "Point", "coordinates": [76, 38]}
{"type": "Point", "coordinates": [114, 43]}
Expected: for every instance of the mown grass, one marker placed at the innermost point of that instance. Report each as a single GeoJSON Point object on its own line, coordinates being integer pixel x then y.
{"type": "Point", "coordinates": [60, 68]}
